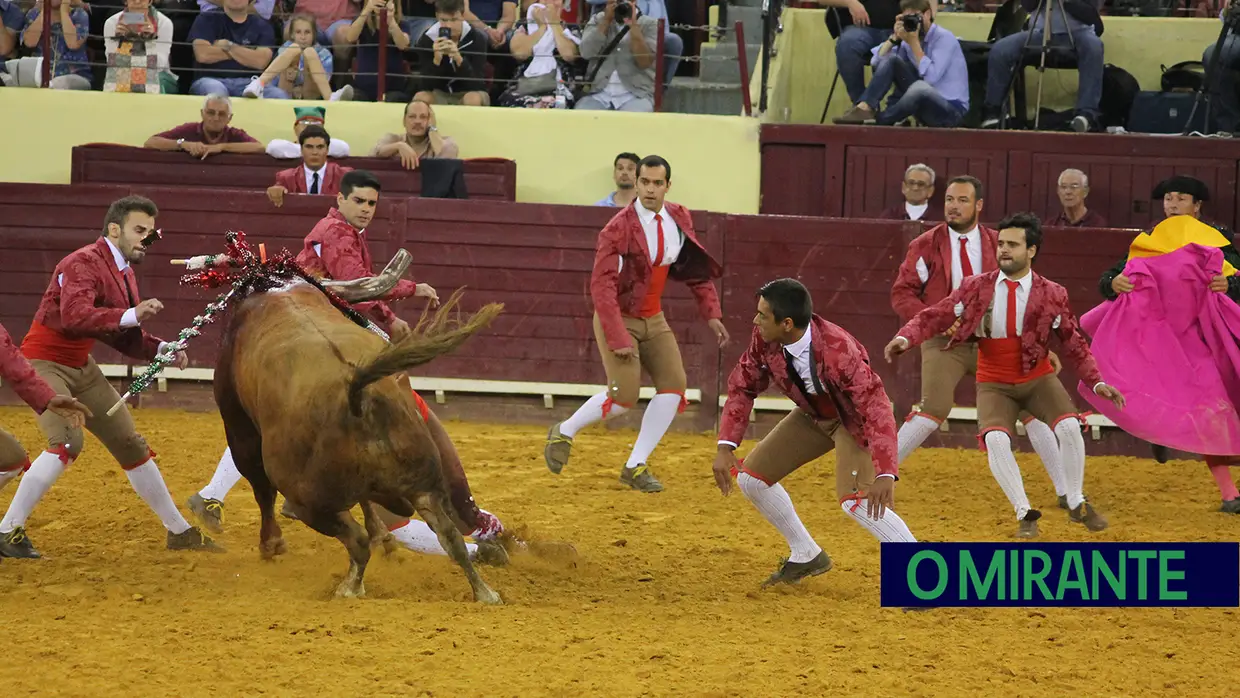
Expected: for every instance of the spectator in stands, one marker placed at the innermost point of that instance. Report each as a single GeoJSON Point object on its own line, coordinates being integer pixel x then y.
{"type": "Point", "coordinates": [1224, 92]}
{"type": "Point", "coordinates": [867, 25]}
{"type": "Point", "coordinates": [303, 118]}
{"type": "Point", "coordinates": [11, 21]}
{"type": "Point", "coordinates": [919, 203]}
{"type": "Point", "coordinates": [138, 40]}
{"type": "Point", "coordinates": [209, 136]}
{"type": "Point", "coordinates": [1075, 21]}
{"type": "Point", "coordinates": [364, 33]}
{"type": "Point", "coordinates": [303, 69]}
{"type": "Point", "coordinates": [625, 80]}
{"type": "Point", "coordinates": [673, 45]}
{"type": "Point", "coordinates": [495, 18]}
{"type": "Point", "coordinates": [927, 69]}
{"type": "Point", "coordinates": [452, 59]}
{"type": "Point", "coordinates": [316, 175]}
{"type": "Point", "coordinates": [231, 49]}
{"type": "Point", "coordinates": [421, 139]}
{"type": "Point", "coordinates": [262, 8]}
{"type": "Point", "coordinates": [546, 49]}
{"type": "Point", "coordinates": [1073, 189]}
{"type": "Point", "coordinates": [419, 16]}
{"type": "Point", "coordinates": [70, 27]}
{"type": "Point", "coordinates": [624, 173]}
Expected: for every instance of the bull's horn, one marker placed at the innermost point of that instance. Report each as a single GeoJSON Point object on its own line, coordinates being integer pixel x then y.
{"type": "Point", "coordinates": [371, 287]}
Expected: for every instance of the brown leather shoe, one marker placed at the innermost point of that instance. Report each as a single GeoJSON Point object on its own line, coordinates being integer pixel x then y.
{"type": "Point", "coordinates": [856, 116]}
{"type": "Point", "coordinates": [1029, 524]}
{"type": "Point", "coordinates": [1086, 514]}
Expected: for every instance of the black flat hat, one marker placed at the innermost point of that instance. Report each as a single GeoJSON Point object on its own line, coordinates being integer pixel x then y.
{"type": "Point", "coordinates": [1182, 184]}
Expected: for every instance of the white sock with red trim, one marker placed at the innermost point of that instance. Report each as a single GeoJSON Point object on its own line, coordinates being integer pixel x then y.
{"type": "Point", "coordinates": [418, 537]}
{"type": "Point", "coordinates": [773, 502]}
{"type": "Point", "coordinates": [43, 473]}
{"type": "Point", "coordinates": [225, 478]}
{"type": "Point", "coordinates": [912, 433]}
{"type": "Point", "coordinates": [889, 529]}
{"type": "Point", "coordinates": [149, 485]}
{"type": "Point", "coordinates": [1072, 455]}
{"type": "Point", "coordinates": [7, 476]}
{"type": "Point", "coordinates": [589, 413]}
{"type": "Point", "coordinates": [1047, 447]}
{"type": "Point", "coordinates": [657, 418]}
{"type": "Point", "coordinates": [1007, 473]}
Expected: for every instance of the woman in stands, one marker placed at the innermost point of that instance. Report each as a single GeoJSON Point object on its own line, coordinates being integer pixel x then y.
{"type": "Point", "coordinates": [546, 48]}
{"type": "Point", "coordinates": [364, 32]}
{"type": "Point", "coordinates": [70, 26]}
{"type": "Point", "coordinates": [132, 36]}
{"type": "Point", "coordinates": [303, 69]}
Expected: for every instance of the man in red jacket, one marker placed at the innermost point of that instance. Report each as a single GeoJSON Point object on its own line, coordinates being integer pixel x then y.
{"type": "Point", "coordinates": [644, 245]}
{"type": "Point", "coordinates": [1013, 312]}
{"type": "Point", "coordinates": [34, 391]}
{"type": "Point", "coordinates": [841, 406]}
{"type": "Point", "coordinates": [93, 296]}
{"type": "Point", "coordinates": [315, 175]}
{"type": "Point", "coordinates": [936, 264]}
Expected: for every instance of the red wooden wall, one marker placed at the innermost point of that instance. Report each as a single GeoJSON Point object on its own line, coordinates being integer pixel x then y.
{"type": "Point", "coordinates": [855, 172]}
{"type": "Point", "coordinates": [533, 258]}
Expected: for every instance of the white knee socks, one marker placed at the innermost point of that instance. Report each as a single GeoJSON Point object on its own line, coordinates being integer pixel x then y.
{"type": "Point", "coordinates": [889, 529]}
{"type": "Point", "coordinates": [1007, 473]}
{"type": "Point", "coordinates": [657, 418]}
{"type": "Point", "coordinates": [43, 473]}
{"type": "Point", "coordinates": [1072, 455]}
{"type": "Point", "coordinates": [773, 503]}
{"type": "Point", "coordinates": [226, 477]}
{"type": "Point", "coordinates": [589, 413]}
{"type": "Point", "coordinates": [1047, 447]}
{"type": "Point", "coordinates": [912, 434]}
{"type": "Point", "coordinates": [149, 485]}
{"type": "Point", "coordinates": [418, 537]}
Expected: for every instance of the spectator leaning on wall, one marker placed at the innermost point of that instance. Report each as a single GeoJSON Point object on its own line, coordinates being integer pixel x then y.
{"type": "Point", "coordinates": [209, 136]}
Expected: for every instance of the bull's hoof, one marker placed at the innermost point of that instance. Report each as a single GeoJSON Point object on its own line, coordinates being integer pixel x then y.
{"type": "Point", "coordinates": [488, 596]}
{"type": "Point", "coordinates": [350, 591]}
{"type": "Point", "coordinates": [269, 549]}
{"type": "Point", "coordinates": [490, 553]}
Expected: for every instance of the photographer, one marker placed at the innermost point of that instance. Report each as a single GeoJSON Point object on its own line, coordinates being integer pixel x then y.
{"type": "Point", "coordinates": [925, 64]}
{"type": "Point", "coordinates": [364, 32]}
{"type": "Point", "coordinates": [1076, 24]}
{"type": "Point", "coordinates": [624, 80]}
{"type": "Point", "coordinates": [1224, 93]}
{"type": "Point", "coordinates": [452, 59]}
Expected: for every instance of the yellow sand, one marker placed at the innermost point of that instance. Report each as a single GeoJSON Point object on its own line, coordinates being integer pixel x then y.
{"type": "Point", "coordinates": [663, 599]}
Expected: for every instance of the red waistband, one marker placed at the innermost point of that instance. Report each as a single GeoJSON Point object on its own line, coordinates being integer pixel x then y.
{"type": "Point", "coordinates": [45, 344]}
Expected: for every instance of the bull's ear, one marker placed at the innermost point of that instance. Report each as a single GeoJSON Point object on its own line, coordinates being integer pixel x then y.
{"type": "Point", "coordinates": [369, 288]}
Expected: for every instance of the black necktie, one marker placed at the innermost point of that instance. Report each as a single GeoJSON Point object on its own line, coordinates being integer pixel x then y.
{"type": "Point", "coordinates": [800, 382]}
{"type": "Point", "coordinates": [314, 184]}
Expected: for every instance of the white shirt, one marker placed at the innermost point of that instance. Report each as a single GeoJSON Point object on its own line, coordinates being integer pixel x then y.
{"type": "Point", "coordinates": [673, 239]}
{"type": "Point", "coordinates": [615, 94]}
{"type": "Point", "coordinates": [998, 314]}
{"type": "Point", "coordinates": [289, 150]}
{"type": "Point", "coordinates": [916, 211]}
{"type": "Point", "coordinates": [974, 247]}
{"type": "Point", "coordinates": [309, 173]}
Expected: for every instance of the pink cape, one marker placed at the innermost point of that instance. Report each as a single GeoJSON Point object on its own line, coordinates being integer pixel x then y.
{"type": "Point", "coordinates": [1169, 346]}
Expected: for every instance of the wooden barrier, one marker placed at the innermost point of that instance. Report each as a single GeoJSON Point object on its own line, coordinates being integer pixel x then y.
{"type": "Point", "coordinates": [101, 163]}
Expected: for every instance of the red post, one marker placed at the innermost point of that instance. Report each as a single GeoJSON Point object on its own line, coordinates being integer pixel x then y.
{"type": "Point", "coordinates": [742, 60]}
{"type": "Point", "coordinates": [658, 65]}
{"type": "Point", "coordinates": [45, 43]}
{"type": "Point", "coordinates": [383, 41]}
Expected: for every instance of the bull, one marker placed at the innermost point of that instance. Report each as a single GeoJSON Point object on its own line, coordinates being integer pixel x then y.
{"type": "Point", "coordinates": [317, 408]}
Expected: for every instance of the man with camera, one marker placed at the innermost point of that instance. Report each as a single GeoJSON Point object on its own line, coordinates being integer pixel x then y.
{"type": "Point", "coordinates": [622, 66]}
{"type": "Point", "coordinates": [925, 64]}
{"type": "Point", "coordinates": [452, 59]}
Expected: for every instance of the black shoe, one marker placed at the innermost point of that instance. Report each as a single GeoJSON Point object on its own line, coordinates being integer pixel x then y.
{"type": "Point", "coordinates": [793, 572]}
{"type": "Point", "coordinates": [1081, 124]}
{"type": "Point", "coordinates": [1162, 454]}
{"type": "Point", "coordinates": [1230, 506]}
{"type": "Point", "coordinates": [17, 544]}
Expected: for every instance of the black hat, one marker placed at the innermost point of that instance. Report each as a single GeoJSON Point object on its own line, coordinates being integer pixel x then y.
{"type": "Point", "coordinates": [1182, 184]}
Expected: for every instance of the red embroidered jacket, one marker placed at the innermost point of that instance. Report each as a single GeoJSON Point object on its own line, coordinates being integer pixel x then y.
{"type": "Point", "coordinates": [87, 297]}
{"type": "Point", "coordinates": [618, 292]}
{"type": "Point", "coordinates": [343, 255]}
{"type": "Point", "coordinates": [925, 275]}
{"type": "Point", "coordinates": [20, 375]}
{"type": "Point", "coordinates": [1046, 312]}
{"type": "Point", "coordinates": [294, 179]}
{"type": "Point", "coordinates": [844, 369]}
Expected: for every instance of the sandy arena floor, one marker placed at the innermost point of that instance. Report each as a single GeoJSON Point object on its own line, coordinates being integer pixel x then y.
{"type": "Point", "coordinates": [663, 599]}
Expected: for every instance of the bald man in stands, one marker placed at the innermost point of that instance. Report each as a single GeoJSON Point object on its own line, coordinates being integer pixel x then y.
{"type": "Point", "coordinates": [1073, 190]}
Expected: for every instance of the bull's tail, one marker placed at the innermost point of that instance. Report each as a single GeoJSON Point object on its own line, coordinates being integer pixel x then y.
{"type": "Point", "coordinates": [434, 335]}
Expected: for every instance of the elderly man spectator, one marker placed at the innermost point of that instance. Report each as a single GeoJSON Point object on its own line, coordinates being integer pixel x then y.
{"type": "Point", "coordinates": [624, 80]}
{"type": "Point", "coordinates": [232, 48]}
{"type": "Point", "coordinates": [925, 64]}
{"type": "Point", "coordinates": [1073, 189]}
{"type": "Point", "coordinates": [452, 59]}
{"type": "Point", "coordinates": [305, 117]}
{"type": "Point", "coordinates": [624, 173]}
{"type": "Point", "coordinates": [70, 27]}
{"type": "Point", "coordinates": [315, 175]}
{"type": "Point", "coordinates": [919, 203]}
{"type": "Point", "coordinates": [207, 137]}
{"type": "Point", "coordinates": [421, 139]}
{"type": "Point", "coordinates": [870, 25]}
{"type": "Point", "coordinates": [1075, 24]}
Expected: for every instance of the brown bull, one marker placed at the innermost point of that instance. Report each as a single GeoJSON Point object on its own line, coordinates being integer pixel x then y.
{"type": "Point", "coordinates": [312, 409]}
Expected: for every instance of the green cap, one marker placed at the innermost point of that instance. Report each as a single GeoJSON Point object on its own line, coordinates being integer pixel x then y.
{"type": "Point", "coordinates": [318, 114]}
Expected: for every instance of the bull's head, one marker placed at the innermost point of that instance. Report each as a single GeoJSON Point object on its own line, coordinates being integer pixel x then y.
{"type": "Point", "coordinates": [372, 287]}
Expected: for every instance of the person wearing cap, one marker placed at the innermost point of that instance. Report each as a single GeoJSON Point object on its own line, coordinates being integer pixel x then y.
{"type": "Point", "coordinates": [303, 117]}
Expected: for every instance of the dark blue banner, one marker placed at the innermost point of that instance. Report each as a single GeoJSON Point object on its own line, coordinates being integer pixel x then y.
{"type": "Point", "coordinates": [1060, 574]}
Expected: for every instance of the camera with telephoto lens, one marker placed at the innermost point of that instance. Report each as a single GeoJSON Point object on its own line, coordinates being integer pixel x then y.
{"type": "Point", "coordinates": [912, 22]}
{"type": "Point", "coordinates": [623, 11]}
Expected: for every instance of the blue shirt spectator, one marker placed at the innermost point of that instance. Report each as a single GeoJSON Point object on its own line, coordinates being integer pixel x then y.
{"type": "Point", "coordinates": [942, 64]}
{"type": "Point", "coordinates": [230, 76]}
{"type": "Point", "coordinates": [11, 22]}
{"type": "Point", "coordinates": [65, 60]}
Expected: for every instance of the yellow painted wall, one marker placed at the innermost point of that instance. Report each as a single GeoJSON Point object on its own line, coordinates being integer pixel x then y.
{"type": "Point", "coordinates": [805, 65]}
{"type": "Point", "coordinates": [563, 157]}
